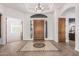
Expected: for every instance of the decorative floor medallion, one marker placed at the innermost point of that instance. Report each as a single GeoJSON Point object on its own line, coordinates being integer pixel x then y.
{"type": "Point", "coordinates": [38, 45]}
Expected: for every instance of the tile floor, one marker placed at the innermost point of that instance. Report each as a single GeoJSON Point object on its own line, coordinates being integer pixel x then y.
{"type": "Point", "coordinates": [29, 46]}
{"type": "Point", "coordinates": [11, 49]}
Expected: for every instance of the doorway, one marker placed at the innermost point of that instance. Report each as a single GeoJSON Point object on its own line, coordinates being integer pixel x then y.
{"type": "Point", "coordinates": [72, 32]}
{"type": "Point", "coordinates": [61, 30]}
{"type": "Point", "coordinates": [38, 30]}
{"type": "Point", "coordinates": [13, 29]}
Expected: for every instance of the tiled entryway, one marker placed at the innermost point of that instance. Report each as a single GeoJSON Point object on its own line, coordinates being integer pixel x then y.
{"type": "Point", "coordinates": [29, 46]}
{"type": "Point", "coordinates": [12, 49]}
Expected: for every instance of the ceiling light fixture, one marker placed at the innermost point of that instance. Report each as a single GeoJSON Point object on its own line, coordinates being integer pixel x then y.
{"type": "Point", "coordinates": [39, 8]}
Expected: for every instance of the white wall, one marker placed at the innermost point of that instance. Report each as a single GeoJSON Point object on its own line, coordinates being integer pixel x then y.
{"type": "Point", "coordinates": [51, 26]}
{"type": "Point", "coordinates": [56, 25]}
{"type": "Point", "coordinates": [3, 30]}
{"type": "Point", "coordinates": [1, 11]}
{"type": "Point", "coordinates": [26, 27]}
{"type": "Point", "coordinates": [77, 28]}
{"type": "Point", "coordinates": [9, 12]}
{"type": "Point", "coordinates": [66, 7]}
{"type": "Point", "coordinates": [69, 13]}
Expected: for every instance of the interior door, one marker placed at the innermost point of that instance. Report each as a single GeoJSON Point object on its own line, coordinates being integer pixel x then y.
{"type": "Point", "coordinates": [61, 29]}
{"type": "Point", "coordinates": [38, 30]}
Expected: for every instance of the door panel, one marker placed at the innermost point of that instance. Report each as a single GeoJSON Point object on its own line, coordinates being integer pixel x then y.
{"type": "Point", "coordinates": [61, 30]}
{"type": "Point", "coordinates": [38, 30]}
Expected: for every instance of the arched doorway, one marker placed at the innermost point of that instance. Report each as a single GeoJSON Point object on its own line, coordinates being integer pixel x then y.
{"type": "Point", "coordinates": [38, 27]}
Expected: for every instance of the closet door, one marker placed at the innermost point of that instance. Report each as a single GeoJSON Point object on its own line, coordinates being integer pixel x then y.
{"type": "Point", "coordinates": [61, 30]}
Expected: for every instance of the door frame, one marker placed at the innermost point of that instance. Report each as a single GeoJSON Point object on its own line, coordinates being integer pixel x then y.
{"type": "Point", "coordinates": [21, 29]}
{"type": "Point", "coordinates": [75, 30]}
{"type": "Point", "coordinates": [67, 29]}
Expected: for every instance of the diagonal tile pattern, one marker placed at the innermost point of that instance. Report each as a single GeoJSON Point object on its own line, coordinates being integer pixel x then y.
{"type": "Point", "coordinates": [48, 47]}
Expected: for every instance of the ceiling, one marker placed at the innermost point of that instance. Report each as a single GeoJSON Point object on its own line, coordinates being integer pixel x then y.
{"type": "Point", "coordinates": [31, 7]}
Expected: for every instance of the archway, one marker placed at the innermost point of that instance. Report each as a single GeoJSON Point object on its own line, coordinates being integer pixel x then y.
{"type": "Point", "coordinates": [69, 14]}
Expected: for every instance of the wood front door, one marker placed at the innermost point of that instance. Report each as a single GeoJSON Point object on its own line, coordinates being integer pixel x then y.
{"type": "Point", "coordinates": [61, 30]}
{"type": "Point", "coordinates": [38, 30]}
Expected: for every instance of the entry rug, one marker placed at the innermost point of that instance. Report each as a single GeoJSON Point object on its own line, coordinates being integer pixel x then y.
{"type": "Point", "coordinates": [29, 46]}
